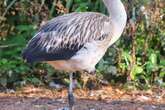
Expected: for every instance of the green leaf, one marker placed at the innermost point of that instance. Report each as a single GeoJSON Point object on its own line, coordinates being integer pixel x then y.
{"type": "Point", "coordinates": [135, 71]}
{"type": "Point", "coordinates": [162, 62]}
{"type": "Point", "coordinates": [162, 74]}
{"type": "Point", "coordinates": [149, 66]}
{"type": "Point", "coordinates": [127, 57]}
{"type": "Point", "coordinates": [82, 7]}
{"type": "Point", "coordinates": [153, 58]}
{"type": "Point", "coordinates": [4, 61]}
{"type": "Point", "coordinates": [138, 69]}
{"type": "Point", "coordinates": [34, 80]}
{"type": "Point", "coordinates": [69, 4]}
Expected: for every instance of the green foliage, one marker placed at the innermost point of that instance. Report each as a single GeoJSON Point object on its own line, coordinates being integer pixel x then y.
{"type": "Point", "coordinates": [13, 69]}
{"type": "Point", "coordinates": [138, 56]}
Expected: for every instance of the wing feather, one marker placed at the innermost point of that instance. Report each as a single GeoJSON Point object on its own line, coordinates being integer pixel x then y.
{"type": "Point", "coordinates": [63, 36]}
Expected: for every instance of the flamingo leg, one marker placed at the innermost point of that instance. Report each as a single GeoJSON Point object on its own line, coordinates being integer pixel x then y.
{"type": "Point", "coordinates": [71, 99]}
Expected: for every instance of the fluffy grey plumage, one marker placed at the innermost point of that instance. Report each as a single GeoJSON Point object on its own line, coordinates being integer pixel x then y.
{"type": "Point", "coordinates": [77, 41]}
{"type": "Point", "coordinates": [62, 37]}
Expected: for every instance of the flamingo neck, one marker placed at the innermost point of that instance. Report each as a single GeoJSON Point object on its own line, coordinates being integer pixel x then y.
{"type": "Point", "coordinates": [118, 18]}
{"type": "Point", "coordinates": [117, 12]}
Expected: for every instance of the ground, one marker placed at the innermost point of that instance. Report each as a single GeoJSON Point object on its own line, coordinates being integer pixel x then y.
{"type": "Point", "coordinates": [104, 98]}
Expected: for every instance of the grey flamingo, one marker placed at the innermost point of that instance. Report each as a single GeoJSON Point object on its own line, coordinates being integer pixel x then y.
{"type": "Point", "coordinates": [77, 41]}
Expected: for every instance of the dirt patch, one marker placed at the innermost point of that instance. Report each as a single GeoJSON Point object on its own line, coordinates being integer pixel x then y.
{"type": "Point", "coordinates": [106, 98]}
{"type": "Point", "coordinates": [15, 103]}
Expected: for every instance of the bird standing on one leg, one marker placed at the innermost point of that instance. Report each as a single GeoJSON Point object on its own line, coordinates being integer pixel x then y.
{"type": "Point", "coordinates": [70, 92]}
{"type": "Point", "coordinates": [77, 41]}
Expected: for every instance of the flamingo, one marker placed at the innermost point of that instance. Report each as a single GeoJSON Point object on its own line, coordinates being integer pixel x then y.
{"type": "Point", "coordinates": [77, 41]}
